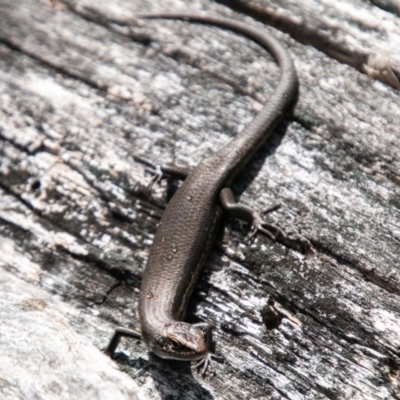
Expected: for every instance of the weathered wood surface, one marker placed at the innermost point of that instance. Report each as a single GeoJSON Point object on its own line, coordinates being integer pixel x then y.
{"type": "Point", "coordinates": [42, 356]}
{"type": "Point", "coordinates": [84, 89]}
{"type": "Point", "coordinates": [352, 32]}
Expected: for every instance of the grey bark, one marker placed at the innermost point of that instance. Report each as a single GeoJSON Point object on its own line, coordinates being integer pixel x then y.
{"type": "Point", "coordinates": [355, 33]}
{"type": "Point", "coordinates": [87, 93]}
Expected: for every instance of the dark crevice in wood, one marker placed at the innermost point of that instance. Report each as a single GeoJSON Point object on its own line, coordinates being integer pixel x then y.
{"type": "Point", "coordinates": [185, 58]}
{"type": "Point", "coordinates": [93, 16]}
{"type": "Point", "coordinates": [300, 33]}
{"type": "Point", "coordinates": [68, 72]}
{"type": "Point", "coordinates": [307, 125]}
{"type": "Point", "coordinates": [118, 216]}
{"type": "Point", "coordinates": [20, 199]}
{"type": "Point", "coordinates": [367, 159]}
{"type": "Point", "coordinates": [267, 361]}
{"type": "Point", "coordinates": [103, 196]}
{"type": "Point", "coordinates": [13, 45]}
{"type": "Point", "coordinates": [341, 333]}
{"type": "Point", "coordinates": [347, 357]}
{"type": "Point", "coordinates": [287, 360]}
{"type": "Point", "coordinates": [142, 194]}
{"type": "Point", "coordinates": [305, 35]}
{"type": "Point", "coordinates": [47, 220]}
{"type": "Point", "coordinates": [177, 55]}
{"type": "Point", "coordinates": [321, 322]}
{"type": "Point", "coordinates": [272, 363]}
{"type": "Point", "coordinates": [14, 225]}
{"type": "Point", "coordinates": [360, 338]}
{"type": "Point", "coordinates": [392, 6]}
{"type": "Point", "coordinates": [121, 274]}
{"type": "Point", "coordinates": [295, 307]}
{"type": "Point", "coordinates": [373, 277]}
{"type": "Point", "coordinates": [23, 149]}
{"type": "Point", "coordinates": [369, 275]}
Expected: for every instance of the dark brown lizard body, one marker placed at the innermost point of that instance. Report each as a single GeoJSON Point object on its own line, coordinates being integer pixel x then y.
{"type": "Point", "coordinates": [189, 223]}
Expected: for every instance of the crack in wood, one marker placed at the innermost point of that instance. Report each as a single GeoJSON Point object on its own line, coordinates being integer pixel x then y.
{"type": "Point", "coordinates": [302, 33]}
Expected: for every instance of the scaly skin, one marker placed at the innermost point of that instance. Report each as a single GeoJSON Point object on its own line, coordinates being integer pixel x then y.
{"type": "Point", "coordinates": [190, 221]}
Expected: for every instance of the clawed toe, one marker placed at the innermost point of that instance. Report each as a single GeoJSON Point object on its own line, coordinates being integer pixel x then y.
{"type": "Point", "coordinates": [157, 173]}
{"type": "Point", "coordinates": [208, 364]}
{"type": "Point", "coordinates": [269, 230]}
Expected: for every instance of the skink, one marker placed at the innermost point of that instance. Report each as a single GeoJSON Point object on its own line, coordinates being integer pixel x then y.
{"type": "Point", "coordinates": [190, 221]}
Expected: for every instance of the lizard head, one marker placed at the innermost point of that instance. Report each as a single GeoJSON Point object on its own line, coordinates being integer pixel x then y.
{"type": "Point", "coordinates": [183, 341]}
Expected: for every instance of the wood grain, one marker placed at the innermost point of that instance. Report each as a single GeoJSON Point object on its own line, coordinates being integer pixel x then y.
{"type": "Point", "coordinates": [86, 91]}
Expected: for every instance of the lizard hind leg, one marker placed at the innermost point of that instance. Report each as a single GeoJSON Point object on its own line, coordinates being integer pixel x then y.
{"type": "Point", "coordinates": [246, 213]}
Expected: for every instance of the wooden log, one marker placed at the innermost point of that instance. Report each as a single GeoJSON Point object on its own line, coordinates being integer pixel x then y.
{"type": "Point", "coordinates": [87, 92]}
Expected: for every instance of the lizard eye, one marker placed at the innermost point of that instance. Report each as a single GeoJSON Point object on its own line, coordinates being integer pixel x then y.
{"type": "Point", "coordinates": [175, 345]}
